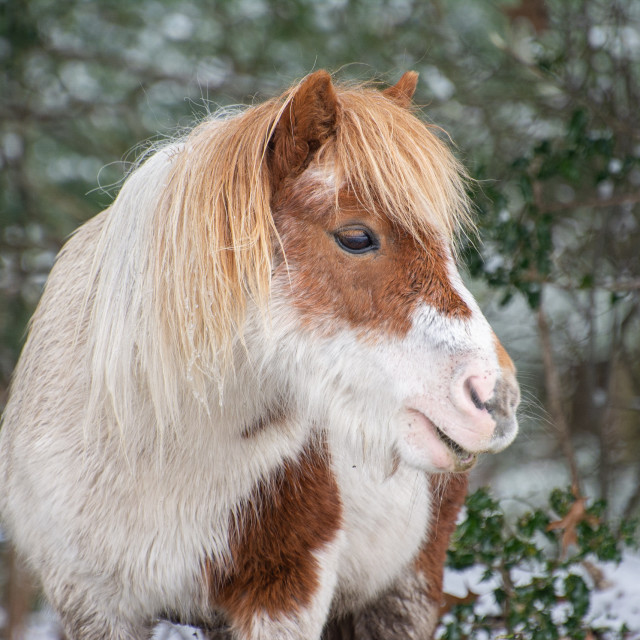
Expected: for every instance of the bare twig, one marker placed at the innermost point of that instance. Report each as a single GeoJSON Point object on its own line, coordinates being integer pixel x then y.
{"type": "Point", "coordinates": [633, 504]}
{"type": "Point", "coordinates": [553, 388]}
{"type": "Point", "coordinates": [507, 584]}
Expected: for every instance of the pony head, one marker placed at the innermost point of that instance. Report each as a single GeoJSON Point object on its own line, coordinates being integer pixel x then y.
{"type": "Point", "coordinates": [308, 244]}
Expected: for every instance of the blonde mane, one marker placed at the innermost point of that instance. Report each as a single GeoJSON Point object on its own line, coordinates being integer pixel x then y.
{"type": "Point", "coordinates": [215, 241]}
{"type": "Point", "coordinates": [188, 244]}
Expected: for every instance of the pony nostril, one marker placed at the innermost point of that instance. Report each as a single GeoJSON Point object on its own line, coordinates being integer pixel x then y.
{"type": "Point", "coordinates": [473, 394]}
{"type": "Point", "coordinates": [473, 391]}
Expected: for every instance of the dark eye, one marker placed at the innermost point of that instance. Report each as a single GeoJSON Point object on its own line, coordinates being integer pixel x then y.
{"type": "Point", "coordinates": [356, 240]}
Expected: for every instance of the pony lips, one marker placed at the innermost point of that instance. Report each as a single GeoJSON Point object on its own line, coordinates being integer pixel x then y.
{"type": "Point", "coordinates": [445, 452]}
{"type": "Point", "coordinates": [464, 457]}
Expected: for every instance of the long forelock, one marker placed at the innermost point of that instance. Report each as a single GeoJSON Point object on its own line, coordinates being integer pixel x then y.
{"type": "Point", "coordinates": [397, 164]}
{"type": "Point", "coordinates": [214, 245]}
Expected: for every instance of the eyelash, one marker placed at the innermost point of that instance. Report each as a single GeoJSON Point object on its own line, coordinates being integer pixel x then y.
{"type": "Point", "coordinates": [361, 235]}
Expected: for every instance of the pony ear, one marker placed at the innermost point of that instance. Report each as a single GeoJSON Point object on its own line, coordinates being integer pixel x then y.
{"type": "Point", "coordinates": [402, 92]}
{"type": "Point", "coordinates": [307, 122]}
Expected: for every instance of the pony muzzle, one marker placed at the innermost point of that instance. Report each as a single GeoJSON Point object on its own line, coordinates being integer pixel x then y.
{"type": "Point", "coordinates": [481, 418]}
{"type": "Point", "coordinates": [485, 400]}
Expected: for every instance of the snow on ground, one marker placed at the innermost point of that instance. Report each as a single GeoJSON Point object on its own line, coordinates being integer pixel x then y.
{"type": "Point", "coordinates": [621, 602]}
{"type": "Point", "coordinates": [618, 602]}
{"type": "Point", "coordinates": [43, 625]}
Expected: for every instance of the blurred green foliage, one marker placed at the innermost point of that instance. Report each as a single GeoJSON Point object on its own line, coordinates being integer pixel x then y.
{"type": "Point", "coordinates": [540, 587]}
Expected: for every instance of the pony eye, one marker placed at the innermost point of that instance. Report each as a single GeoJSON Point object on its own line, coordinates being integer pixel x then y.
{"type": "Point", "coordinates": [356, 240]}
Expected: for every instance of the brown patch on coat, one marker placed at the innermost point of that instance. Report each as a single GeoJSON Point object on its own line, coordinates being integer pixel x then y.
{"type": "Point", "coordinates": [288, 518]}
{"type": "Point", "coordinates": [448, 501]}
{"type": "Point", "coordinates": [375, 291]}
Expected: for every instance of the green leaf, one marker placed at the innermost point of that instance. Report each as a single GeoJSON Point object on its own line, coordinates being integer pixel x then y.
{"type": "Point", "coordinates": [577, 593]}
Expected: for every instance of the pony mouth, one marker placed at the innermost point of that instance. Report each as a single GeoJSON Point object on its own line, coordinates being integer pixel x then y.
{"type": "Point", "coordinates": [443, 451]}
{"type": "Point", "coordinates": [464, 458]}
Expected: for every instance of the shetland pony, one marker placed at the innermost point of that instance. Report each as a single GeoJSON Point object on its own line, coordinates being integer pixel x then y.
{"type": "Point", "coordinates": [253, 385]}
